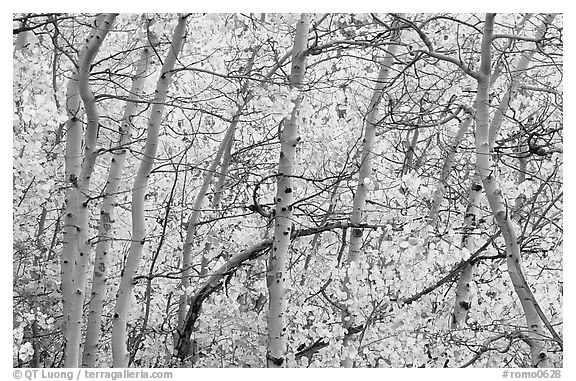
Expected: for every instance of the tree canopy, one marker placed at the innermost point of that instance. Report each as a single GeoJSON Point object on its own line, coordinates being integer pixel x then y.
{"type": "Point", "coordinates": [316, 190]}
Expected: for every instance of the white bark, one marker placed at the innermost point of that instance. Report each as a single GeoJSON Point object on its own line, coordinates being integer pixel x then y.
{"type": "Point", "coordinates": [73, 163]}
{"type": "Point", "coordinates": [486, 168]}
{"type": "Point", "coordinates": [463, 297]}
{"type": "Point", "coordinates": [120, 353]}
{"type": "Point", "coordinates": [276, 274]}
{"type": "Point", "coordinates": [81, 255]}
{"type": "Point", "coordinates": [365, 175]}
{"type": "Point", "coordinates": [107, 213]}
{"type": "Point", "coordinates": [521, 66]}
{"type": "Point", "coordinates": [463, 301]}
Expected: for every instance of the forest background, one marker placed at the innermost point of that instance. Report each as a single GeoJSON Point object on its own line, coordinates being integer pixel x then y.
{"type": "Point", "coordinates": [407, 237]}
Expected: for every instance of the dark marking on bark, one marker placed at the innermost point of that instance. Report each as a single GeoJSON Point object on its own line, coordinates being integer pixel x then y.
{"type": "Point", "coordinates": [276, 361]}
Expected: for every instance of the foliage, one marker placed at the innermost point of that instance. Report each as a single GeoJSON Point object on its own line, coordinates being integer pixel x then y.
{"type": "Point", "coordinates": [402, 253]}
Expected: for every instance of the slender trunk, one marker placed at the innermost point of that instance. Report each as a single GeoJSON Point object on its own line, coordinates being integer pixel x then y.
{"type": "Point", "coordinates": [500, 61]}
{"type": "Point", "coordinates": [411, 143]}
{"type": "Point", "coordinates": [364, 179]}
{"type": "Point", "coordinates": [527, 56]}
{"type": "Point", "coordinates": [463, 301]}
{"type": "Point", "coordinates": [438, 196]}
{"type": "Point", "coordinates": [316, 241]}
{"type": "Point", "coordinates": [185, 330]}
{"type": "Point", "coordinates": [107, 214]}
{"type": "Point", "coordinates": [35, 362]}
{"type": "Point", "coordinates": [289, 139]}
{"type": "Point", "coordinates": [486, 168]}
{"type": "Point", "coordinates": [522, 165]}
{"type": "Point", "coordinates": [463, 297]}
{"type": "Point", "coordinates": [124, 297]}
{"type": "Point", "coordinates": [215, 205]}
{"type": "Point", "coordinates": [79, 257]}
{"type": "Point", "coordinates": [193, 220]}
{"type": "Point", "coordinates": [73, 162]}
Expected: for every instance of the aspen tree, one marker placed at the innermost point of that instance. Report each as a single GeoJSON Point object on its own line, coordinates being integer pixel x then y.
{"type": "Point", "coordinates": [463, 297]}
{"type": "Point", "coordinates": [107, 212]}
{"type": "Point", "coordinates": [412, 142]}
{"type": "Point", "coordinates": [463, 300]}
{"type": "Point", "coordinates": [438, 196]}
{"type": "Point", "coordinates": [520, 68]}
{"type": "Point", "coordinates": [73, 162]}
{"type": "Point", "coordinates": [76, 267]}
{"type": "Point", "coordinates": [183, 339]}
{"type": "Point", "coordinates": [486, 168]}
{"type": "Point", "coordinates": [193, 219]}
{"type": "Point", "coordinates": [226, 147]}
{"type": "Point", "coordinates": [440, 191]}
{"type": "Point", "coordinates": [365, 178]}
{"type": "Point", "coordinates": [215, 205]}
{"type": "Point", "coordinates": [289, 139]}
{"type": "Point", "coordinates": [123, 301]}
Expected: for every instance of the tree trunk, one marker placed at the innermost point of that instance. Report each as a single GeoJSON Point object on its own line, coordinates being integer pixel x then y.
{"type": "Point", "coordinates": [289, 139]}
{"type": "Point", "coordinates": [486, 169]}
{"type": "Point", "coordinates": [80, 256]}
{"type": "Point", "coordinates": [73, 162]}
{"type": "Point", "coordinates": [438, 196]}
{"type": "Point", "coordinates": [463, 301]}
{"type": "Point", "coordinates": [364, 179]}
{"type": "Point", "coordinates": [124, 297]}
{"type": "Point", "coordinates": [521, 66]}
{"type": "Point", "coordinates": [107, 213]}
{"type": "Point", "coordinates": [193, 220]}
{"type": "Point", "coordinates": [463, 297]}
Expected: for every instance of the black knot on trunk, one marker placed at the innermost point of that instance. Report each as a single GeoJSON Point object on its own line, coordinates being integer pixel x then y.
{"type": "Point", "coordinates": [276, 361]}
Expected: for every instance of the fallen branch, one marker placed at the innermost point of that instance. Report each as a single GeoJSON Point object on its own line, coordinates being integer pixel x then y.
{"type": "Point", "coordinates": [452, 274]}
{"type": "Point", "coordinates": [214, 282]}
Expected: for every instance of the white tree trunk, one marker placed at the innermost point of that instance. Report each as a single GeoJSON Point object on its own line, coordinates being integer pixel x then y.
{"type": "Point", "coordinates": [107, 213]}
{"type": "Point", "coordinates": [521, 66]}
{"type": "Point", "coordinates": [73, 163]}
{"type": "Point", "coordinates": [289, 139]}
{"type": "Point", "coordinates": [124, 298]}
{"type": "Point", "coordinates": [81, 256]}
{"type": "Point", "coordinates": [365, 178]}
{"type": "Point", "coordinates": [463, 301]}
{"type": "Point", "coordinates": [486, 169]}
